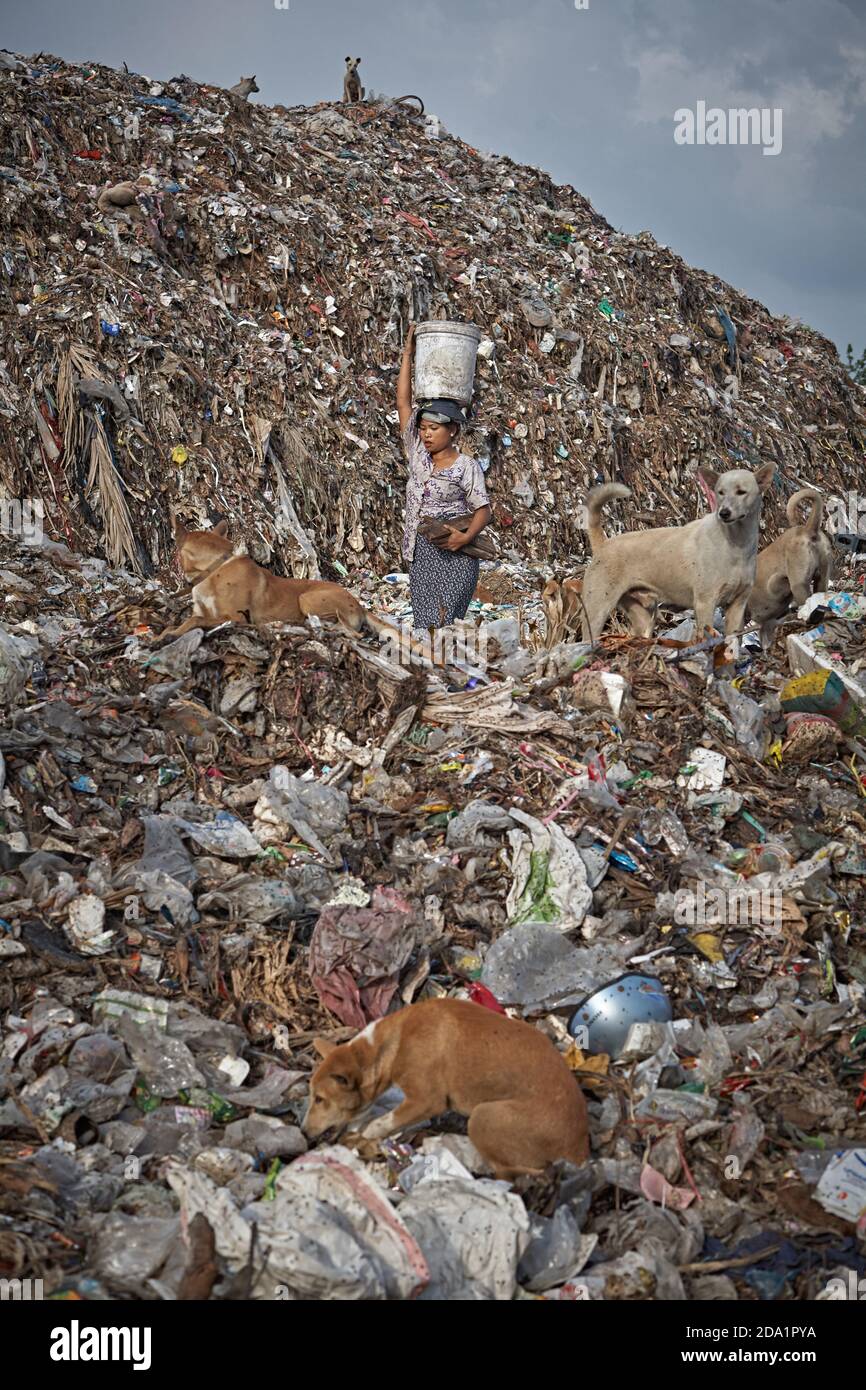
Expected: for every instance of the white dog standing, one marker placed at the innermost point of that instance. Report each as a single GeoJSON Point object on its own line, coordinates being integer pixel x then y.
{"type": "Point", "coordinates": [707, 564]}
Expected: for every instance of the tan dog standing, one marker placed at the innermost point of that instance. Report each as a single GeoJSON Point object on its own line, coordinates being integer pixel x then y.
{"type": "Point", "coordinates": [706, 564]}
{"type": "Point", "coordinates": [525, 1108]}
{"type": "Point", "coordinates": [793, 566]}
{"type": "Point", "coordinates": [232, 588]}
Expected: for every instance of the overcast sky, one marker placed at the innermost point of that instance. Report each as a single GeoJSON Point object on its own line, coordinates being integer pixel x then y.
{"type": "Point", "coordinates": [587, 94]}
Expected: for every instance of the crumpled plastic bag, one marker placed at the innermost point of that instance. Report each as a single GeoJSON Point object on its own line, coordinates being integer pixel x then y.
{"type": "Point", "coordinates": [255, 900]}
{"type": "Point", "coordinates": [13, 669]}
{"type": "Point", "coordinates": [172, 660]}
{"type": "Point", "coordinates": [310, 809]}
{"type": "Point", "coordinates": [747, 717]}
{"type": "Point", "coordinates": [472, 1232]}
{"type": "Point", "coordinates": [746, 1132]}
{"type": "Point", "coordinates": [557, 1251]}
{"type": "Point", "coordinates": [357, 954]}
{"type": "Point", "coordinates": [656, 1187]}
{"type": "Point", "coordinates": [468, 826]}
{"type": "Point", "coordinates": [216, 832]}
{"type": "Point", "coordinates": [532, 966]}
{"type": "Point", "coordinates": [164, 851]}
{"type": "Point", "coordinates": [643, 1274]}
{"type": "Point", "coordinates": [165, 1063]}
{"type": "Point", "coordinates": [85, 923]}
{"type": "Point", "coordinates": [549, 876]}
{"type": "Point", "coordinates": [158, 891]}
{"type": "Point", "coordinates": [129, 1249]}
{"type": "Point", "coordinates": [330, 1233]}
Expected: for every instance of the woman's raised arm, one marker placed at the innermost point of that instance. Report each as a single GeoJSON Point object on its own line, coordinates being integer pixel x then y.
{"type": "Point", "coordinates": [404, 380]}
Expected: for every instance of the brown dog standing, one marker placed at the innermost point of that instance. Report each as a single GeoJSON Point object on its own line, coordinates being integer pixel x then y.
{"type": "Point", "coordinates": [525, 1108]}
{"type": "Point", "coordinates": [233, 588]}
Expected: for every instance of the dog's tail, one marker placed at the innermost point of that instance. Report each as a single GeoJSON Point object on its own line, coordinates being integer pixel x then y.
{"type": "Point", "coordinates": [594, 503]}
{"type": "Point", "coordinates": [813, 524]}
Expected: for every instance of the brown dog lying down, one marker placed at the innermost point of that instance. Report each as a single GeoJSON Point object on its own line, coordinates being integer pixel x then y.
{"type": "Point", "coordinates": [525, 1107]}
{"type": "Point", "coordinates": [791, 566]}
{"type": "Point", "coordinates": [233, 588]}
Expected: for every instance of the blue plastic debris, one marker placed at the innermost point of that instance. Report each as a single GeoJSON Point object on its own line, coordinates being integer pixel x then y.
{"type": "Point", "coordinates": [84, 784]}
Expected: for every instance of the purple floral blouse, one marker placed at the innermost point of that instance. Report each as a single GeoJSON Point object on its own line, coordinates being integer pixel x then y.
{"type": "Point", "coordinates": [443, 492]}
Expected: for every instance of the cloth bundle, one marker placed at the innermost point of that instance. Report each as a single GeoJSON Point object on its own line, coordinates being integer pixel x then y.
{"type": "Point", "coordinates": [433, 528]}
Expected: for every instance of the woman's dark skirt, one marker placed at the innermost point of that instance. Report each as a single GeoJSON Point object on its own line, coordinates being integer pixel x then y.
{"type": "Point", "coordinates": [441, 584]}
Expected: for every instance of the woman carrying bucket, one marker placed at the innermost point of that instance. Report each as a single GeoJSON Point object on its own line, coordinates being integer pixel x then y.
{"type": "Point", "coordinates": [444, 483]}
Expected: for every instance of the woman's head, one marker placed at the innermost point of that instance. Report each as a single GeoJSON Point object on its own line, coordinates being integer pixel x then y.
{"type": "Point", "coordinates": [439, 425]}
{"type": "Point", "coordinates": [435, 437]}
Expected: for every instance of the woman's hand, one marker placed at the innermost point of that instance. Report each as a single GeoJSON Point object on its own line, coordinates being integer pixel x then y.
{"type": "Point", "coordinates": [455, 540]}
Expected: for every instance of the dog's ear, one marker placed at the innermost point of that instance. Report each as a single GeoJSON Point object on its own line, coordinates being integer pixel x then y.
{"type": "Point", "coordinates": [348, 59]}
{"type": "Point", "coordinates": [221, 528]}
{"type": "Point", "coordinates": [707, 480]}
{"type": "Point", "coordinates": [357, 62]}
{"type": "Point", "coordinates": [764, 476]}
{"type": "Point", "coordinates": [323, 1046]}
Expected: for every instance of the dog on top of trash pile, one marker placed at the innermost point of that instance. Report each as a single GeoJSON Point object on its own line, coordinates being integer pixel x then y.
{"type": "Point", "coordinates": [243, 88]}
{"type": "Point", "coordinates": [352, 89]}
{"type": "Point", "coordinates": [794, 566]}
{"type": "Point", "coordinates": [525, 1108]}
{"type": "Point", "coordinates": [230, 587]}
{"type": "Point", "coordinates": [706, 564]}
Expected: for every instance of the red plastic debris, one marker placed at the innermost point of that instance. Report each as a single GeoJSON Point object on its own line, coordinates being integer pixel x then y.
{"type": "Point", "coordinates": [480, 994]}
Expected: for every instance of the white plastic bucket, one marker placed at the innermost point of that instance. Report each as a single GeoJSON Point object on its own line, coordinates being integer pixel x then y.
{"type": "Point", "coordinates": [445, 356]}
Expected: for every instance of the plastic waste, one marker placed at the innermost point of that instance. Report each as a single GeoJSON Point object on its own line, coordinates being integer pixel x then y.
{"type": "Point", "coordinates": [746, 1133]}
{"type": "Point", "coordinates": [842, 1186]}
{"type": "Point", "coordinates": [657, 826]}
{"type": "Point", "coordinates": [330, 1231]}
{"type": "Point", "coordinates": [310, 809]}
{"type": "Point", "coordinates": [533, 967]}
{"type": "Point", "coordinates": [84, 925]}
{"type": "Point", "coordinates": [164, 851]}
{"type": "Point", "coordinates": [556, 1252]}
{"type": "Point", "coordinates": [549, 883]}
{"type": "Point", "coordinates": [685, 1106]}
{"type": "Point", "coordinates": [129, 1250]}
{"type": "Point", "coordinates": [747, 716]}
{"type": "Point", "coordinates": [472, 1232]}
{"type": "Point", "coordinates": [468, 829]}
{"type": "Point", "coordinates": [165, 1063]}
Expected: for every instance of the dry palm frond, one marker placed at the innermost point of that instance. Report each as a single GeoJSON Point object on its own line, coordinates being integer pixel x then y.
{"type": "Point", "coordinates": [77, 430]}
{"type": "Point", "coordinates": [556, 627]}
{"type": "Point", "coordinates": [305, 564]}
{"type": "Point", "coordinates": [116, 520]}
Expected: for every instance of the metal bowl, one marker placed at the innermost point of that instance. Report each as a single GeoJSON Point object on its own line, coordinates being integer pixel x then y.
{"type": "Point", "coordinates": [607, 1014]}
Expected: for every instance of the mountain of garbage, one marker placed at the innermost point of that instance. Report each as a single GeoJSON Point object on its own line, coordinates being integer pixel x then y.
{"type": "Point", "coordinates": [218, 853]}
{"type": "Point", "coordinates": [204, 301]}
